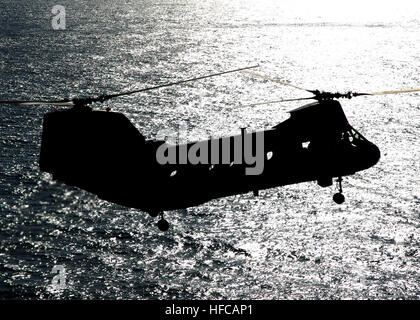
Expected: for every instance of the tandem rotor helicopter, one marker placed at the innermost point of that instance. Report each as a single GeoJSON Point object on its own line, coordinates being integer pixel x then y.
{"type": "Point", "coordinates": [103, 153]}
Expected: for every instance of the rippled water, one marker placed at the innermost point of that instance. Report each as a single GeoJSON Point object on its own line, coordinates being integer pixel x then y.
{"type": "Point", "coordinates": [290, 242]}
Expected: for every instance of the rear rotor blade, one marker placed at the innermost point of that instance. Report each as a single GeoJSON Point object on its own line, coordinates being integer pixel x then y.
{"type": "Point", "coordinates": [102, 98]}
{"type": "Point", "coordinates": [106, 97]}
{"type": "Point", "coordinates": [275, 80]}
{"type": "Point", "coordinates": [39, 102]}
{"type": "Point", "coordinates": [276, 101]}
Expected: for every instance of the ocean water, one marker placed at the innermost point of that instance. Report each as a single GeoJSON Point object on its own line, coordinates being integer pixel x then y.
{"type": "Point", "coordinates": [288, 243]}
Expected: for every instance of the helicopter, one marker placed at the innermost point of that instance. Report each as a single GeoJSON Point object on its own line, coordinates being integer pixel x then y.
{"type": "Point", "coordinates": [103, 153]}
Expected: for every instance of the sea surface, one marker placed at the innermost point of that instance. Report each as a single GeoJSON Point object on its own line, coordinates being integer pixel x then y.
{"type": "Point", "coordinates": [289, 243]}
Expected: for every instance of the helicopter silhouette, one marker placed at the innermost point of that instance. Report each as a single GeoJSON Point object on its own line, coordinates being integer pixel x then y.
{"type": "Point", "coordinates": [103, 153]}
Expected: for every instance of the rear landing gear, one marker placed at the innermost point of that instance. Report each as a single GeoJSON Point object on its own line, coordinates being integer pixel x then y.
{"type": "Point", "coordinates": [162, 224]}
{"type": "Point", "coordinates": [339, 197]}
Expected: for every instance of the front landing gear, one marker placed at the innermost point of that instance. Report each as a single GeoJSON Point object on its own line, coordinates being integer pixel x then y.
{"type": "Point", "coordinates": [339, 197]}
{"type": "Point", "coordinates": [162, 224]}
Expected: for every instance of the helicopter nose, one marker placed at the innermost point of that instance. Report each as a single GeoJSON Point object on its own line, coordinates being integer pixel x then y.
{"type": "Point", "coordinates": [374, 154]}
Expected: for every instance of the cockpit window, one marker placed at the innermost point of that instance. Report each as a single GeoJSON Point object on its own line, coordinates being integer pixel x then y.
{"type": "Point", "coordinates": [356, 135]}
{"type": "Point", "coordinates": [347, 137]}
{"type": "Point", "coordinates": [353, 136]}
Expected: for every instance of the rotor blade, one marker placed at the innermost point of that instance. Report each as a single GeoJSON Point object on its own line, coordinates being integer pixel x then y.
{"type": "Point", "coordinates": [275, 101]}
{"type": "Point", "coordinates": [39, 102]}
{"type": "Point", "coordinates": [394, 92]}
{"type": "Point", "coordinates": [106, 97]}
{"type": "Point", "coordinates": [356, 94]}
{"type": "Point", "coordinates": [275, 80]}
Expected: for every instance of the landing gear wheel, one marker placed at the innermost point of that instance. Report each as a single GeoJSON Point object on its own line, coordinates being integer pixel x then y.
{"type": "Point", "coordinates": [163, 225]}
{"type": "Point", "coordinates": [339, 198]}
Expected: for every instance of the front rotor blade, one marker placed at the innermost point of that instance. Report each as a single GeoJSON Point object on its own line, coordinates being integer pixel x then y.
{"type": "Point", "coordinates": [106, 97]}
{"type": "Point", "coordinates": [394, 92]}
{"type": "Point", "coordinates": [275, 101]}
{"type": "Point", "coordinates": [39, 102]}
{"type": "Point", "coordinates": [356, 94]}
{"type": "Point", "coordinates": [275, 80]}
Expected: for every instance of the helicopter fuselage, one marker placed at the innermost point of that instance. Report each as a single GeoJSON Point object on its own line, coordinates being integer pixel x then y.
{"type": "Point", "coordinates": [103, 153]}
